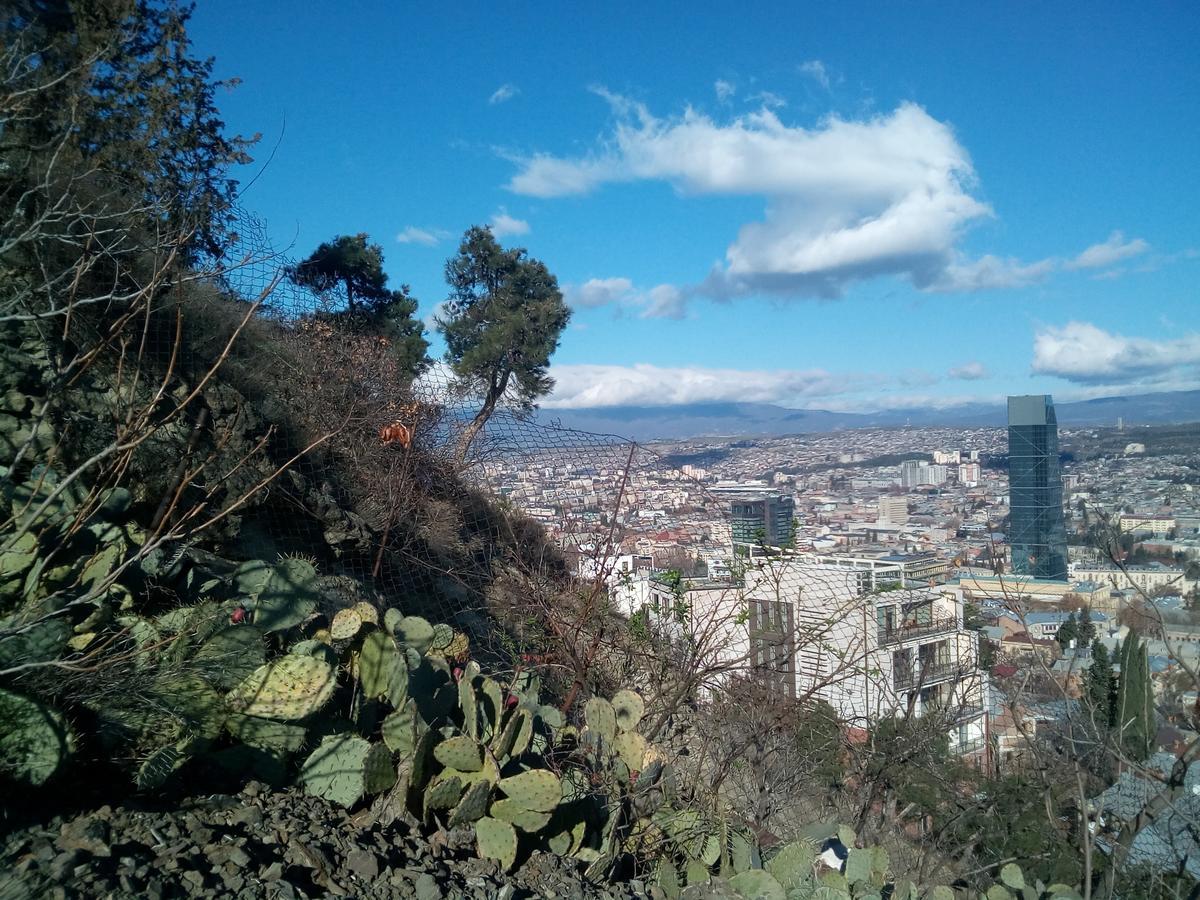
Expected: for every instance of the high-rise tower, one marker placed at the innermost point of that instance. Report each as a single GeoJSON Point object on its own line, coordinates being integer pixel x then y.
{"type": "Point", "coordinates": [1036, 534]}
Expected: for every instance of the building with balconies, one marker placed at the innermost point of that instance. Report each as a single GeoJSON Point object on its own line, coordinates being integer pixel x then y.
{"type": "Point", "coordinates": [858, 636]}
{"type": "Point", "coordinates": [869, 643]}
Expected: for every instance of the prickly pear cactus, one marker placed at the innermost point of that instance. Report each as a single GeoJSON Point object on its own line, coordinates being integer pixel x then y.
{"type": "Point", "coordinates": [292, 687]}
{"type": "Point", "coordinates": [600, 718]}
{"type": "Point", "coordinates": [538, 789]}
{"type": "Point", "coordinates": [344, 768]}
{"type": "Point", "coordinates": [345, 625]}
{"type": "Point", "coordinates": [628, 708]}
{"type": "Point", "coordinates": [496, 840]}
{"type": "Point", "coordinates": [34, 739]}
{"type": "Point", "coordinates": [281, 596]}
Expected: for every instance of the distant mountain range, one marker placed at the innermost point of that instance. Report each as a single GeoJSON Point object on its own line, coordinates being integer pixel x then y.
{"type": "Point", "coordinates": [644, 423]}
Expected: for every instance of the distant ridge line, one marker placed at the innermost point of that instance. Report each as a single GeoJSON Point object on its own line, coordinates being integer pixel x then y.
{"type": "Point", "coordinates": [641, 423]}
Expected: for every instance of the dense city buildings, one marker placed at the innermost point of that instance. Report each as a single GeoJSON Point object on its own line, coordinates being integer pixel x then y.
{"type": "Point", "coordinates": [914, 577]}
{"type": "Point", "coordinates": [1037, 536]}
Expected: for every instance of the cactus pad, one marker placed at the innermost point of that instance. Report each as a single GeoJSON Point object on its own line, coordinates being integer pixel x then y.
{"type": "Point", "coordinates": [526, 819]}
{"type": "Point", "coordinates": [316, 649]}
{"type": "Point", "coordinates": [287, 595]}
{"type": "Point", "coordinates": [793, 865]}
{"type": "Point", "coordinates": [266, 734]}
{"type": "Point", "coordinates": [757, 884]}
{"type": "Point", "coordinates": [496, 840]}
{"type": "Point", "coordinates": [399, 729]}
{"type": "Point", "coordinates": [468, 702]}
{"type": "Point", "coordinates": [458, 649]}
{"type": "Point", "coordinates": [538, 790]}
{"type": "Point", "coordinates": [366, 612]}
{"type": "Point", "coordinates": [345, 767]}
{"type": "Point", "coordinates": [443, 793]}
{"type": "Point", "coordinates": [42, 641]}
{"type": "Point", "coordinates": [159, 766]}
{"type": "Point", "coordinates": [443, 636]}
{"type": "Point", "coordinates": [291, 687]}
{"type": "Point", "coordinates": [631, 747]}
{"type": "Point", "coordinates": [472, 806]}
{"type": "Point", "coordinates": [460, 753]}
{"type": "Point", "coordinates": [600, 718]}
{"type": "Point", "coordinates": [377, 663]}
{"type": "Point", "coordinates": [345, 625]}
{"type": "Point", "coordinates": [629, 709]}
{"type": "Point", "coordinates": [378, 771]}
{"type": "Point", "coordinates": [492, 708]}
{"type": "Point", "coordinates": [34, 741]}
{"type": "Point", "coordinates": [416, 632]}
{"type": "Point", "coordinates": [231, 654]}
{"type": "Point", "coordinates": [391, 620]}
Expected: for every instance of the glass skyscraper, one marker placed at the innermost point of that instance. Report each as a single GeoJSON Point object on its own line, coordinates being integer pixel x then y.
{"type": "Point", "coordinates": [761, 523]}
{"type": "Point", "coordinates": [1037, 537]}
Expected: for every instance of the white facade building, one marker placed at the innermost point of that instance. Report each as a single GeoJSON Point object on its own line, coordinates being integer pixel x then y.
{"type": "Point", "coordinates": [847, 635]}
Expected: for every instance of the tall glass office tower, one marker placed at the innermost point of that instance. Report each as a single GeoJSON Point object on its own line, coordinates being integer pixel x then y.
{"type": "Point", "coordinates": [1037, 537]}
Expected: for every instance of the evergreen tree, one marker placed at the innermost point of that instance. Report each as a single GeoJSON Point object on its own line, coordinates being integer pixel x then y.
{"type": "Point", "coordinates": [1098, 685]}
{"type": "Point", "coordinates": [353, 265]}
{"type": "Point", "coordinates": [138, 109]}
{"type": "Point", "coordinates": [1067, 632]}
{"type": "Point", "coordinates": [1086, 628]}
{"type": "Point", "coordinates": [1135, 702]}
{"type": "Point", "coordinates": [503, 320]}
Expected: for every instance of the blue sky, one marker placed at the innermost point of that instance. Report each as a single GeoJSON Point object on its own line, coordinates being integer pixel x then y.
{"type": "Point", "coordinates": [835, 205]}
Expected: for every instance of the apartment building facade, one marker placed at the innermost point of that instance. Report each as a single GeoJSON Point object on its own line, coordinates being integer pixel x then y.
{"type": "Point", "coordinates": [862, 639]}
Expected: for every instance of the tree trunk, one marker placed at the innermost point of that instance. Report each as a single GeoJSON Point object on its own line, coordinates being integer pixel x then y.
{"type": "Point", "coordinates": [495, 392]}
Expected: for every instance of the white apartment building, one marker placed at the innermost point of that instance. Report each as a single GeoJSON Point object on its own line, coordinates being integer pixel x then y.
{"type": "Point", "coordinates": [851, 636]}
{"type": "Point", "coordinates": [1143, 525]}
{"type": "Point", "coordinates": [916, 472]}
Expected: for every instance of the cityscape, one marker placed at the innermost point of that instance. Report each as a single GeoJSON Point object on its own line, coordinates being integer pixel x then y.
{"type": "Point", "coordinates": [996, 537]}
{"type": "Point", "coordinates": [589, 451]}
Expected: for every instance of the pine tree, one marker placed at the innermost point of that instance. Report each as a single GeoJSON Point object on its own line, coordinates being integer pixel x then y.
{"type": "Point", "coordinates": [1087, 629]}
{"type": "Point", "coordinates": [1135, 700]}
{"type": "Point", "coordinates": [1098, 685]}
{"type": "Point", "coordinates": [353, 266]}
{"type": "Point", "coordinates": [502, 322]}
{"type": "Point", "coordinates": [1067, 632]}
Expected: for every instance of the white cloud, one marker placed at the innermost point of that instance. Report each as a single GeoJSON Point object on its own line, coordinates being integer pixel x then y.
{"type": "Point", "coordinates": [1113, 250]}
{"type": "Point", "coordinates": [724, 89]}
{"type": "Point", "coordinates": [971, 371]}
{"type": "Point", "coordinates": [1084, 353]}
{"type": "Point", "coordinates": [664, 301]}
{"type": "Point", "coordinates": [816, 70]}
{"type": "Point", "coordinates": [598, 292]}
{"type": "Point", "coordinates": [990, 273]}
{"type": "Point", "coordinates": [769, 99]}
{"type": "Point", "coordinates": [504, 225]}
{"type": "Point", "coordinates": [649, 385]}
{"type": "Point", "coordinates": [425, 236]}
{"type": "Point", "coordinates": [503, 93]}
{"type": "Point", "coordinates": [846, 200]}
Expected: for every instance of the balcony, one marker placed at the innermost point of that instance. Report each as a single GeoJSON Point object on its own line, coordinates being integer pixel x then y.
{"type": "Point", "coordinates": [968, 747]}
{"type": "Point", "coordinates": [925, 674]}
{"type": "Point", "coordinates": [918, 631]}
